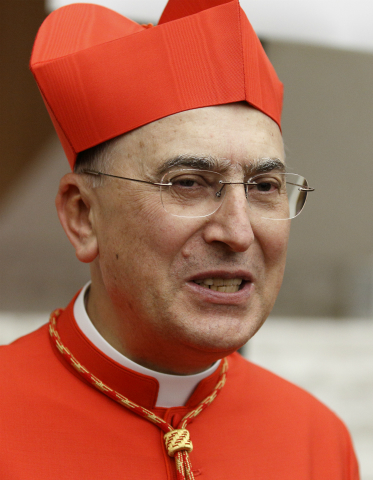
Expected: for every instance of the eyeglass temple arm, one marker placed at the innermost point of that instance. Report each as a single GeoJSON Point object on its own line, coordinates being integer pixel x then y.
{"type": "Point", "coordinates": [218, 194]}
{"type": "Point", "coordinates": [302, 188]}
{"type": "Point", "coordinates": [92, 172]}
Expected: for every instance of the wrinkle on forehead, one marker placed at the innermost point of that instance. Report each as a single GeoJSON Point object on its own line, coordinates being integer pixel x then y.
{"type": "Point", "coordinates": [204, 131]}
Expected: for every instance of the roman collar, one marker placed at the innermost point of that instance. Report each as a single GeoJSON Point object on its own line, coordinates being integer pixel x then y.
{"type": "Point", "coordinates": [143, 386]}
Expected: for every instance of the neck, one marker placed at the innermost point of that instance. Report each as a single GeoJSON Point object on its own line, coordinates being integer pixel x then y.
{"type": "Point", "coordinates": [151, 351]}
{"type": "Point", "coordinates": [174, 390]}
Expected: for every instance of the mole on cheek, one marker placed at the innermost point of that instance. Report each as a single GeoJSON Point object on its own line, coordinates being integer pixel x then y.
{"type": "Point", "coordinates": [117, 256]}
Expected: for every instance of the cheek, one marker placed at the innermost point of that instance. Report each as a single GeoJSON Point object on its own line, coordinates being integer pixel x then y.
{"type": "Point", "coordinates": [273, 238]}
{"type": "Point", "coordinates": [140, 237]}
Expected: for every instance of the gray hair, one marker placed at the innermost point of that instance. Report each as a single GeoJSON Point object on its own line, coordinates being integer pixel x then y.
{"type": "Point", "coordinates": [99, 159]}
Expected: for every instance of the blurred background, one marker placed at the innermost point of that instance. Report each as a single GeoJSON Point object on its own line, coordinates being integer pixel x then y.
{"type": "Point", "coordinates": [320, 334]}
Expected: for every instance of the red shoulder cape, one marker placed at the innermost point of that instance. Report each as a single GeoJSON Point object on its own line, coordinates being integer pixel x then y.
{"type": "Point", "coordinates": [54, 425]}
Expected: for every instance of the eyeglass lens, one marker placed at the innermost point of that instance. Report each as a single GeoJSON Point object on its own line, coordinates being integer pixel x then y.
{"type": "Point", "coordinates": [199, 193]}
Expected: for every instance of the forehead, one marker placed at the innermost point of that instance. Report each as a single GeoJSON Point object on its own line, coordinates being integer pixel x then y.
{"type": "Point", "coordinates": [235, 134]}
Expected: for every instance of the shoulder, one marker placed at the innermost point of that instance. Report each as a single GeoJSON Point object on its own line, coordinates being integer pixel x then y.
{"type": "Point", "coordinates": [272, 407]}
{"type": "Point", "coordinates": [256, 379]}
{"type": "Point", "coordinates": [32, 355]}
{"type": "Point", "coordinates": [281, 425]}
{"type": "Point", "coordinates": [27, 360]}
{"type": "Point", "coordinates": [24, 348]}
{"type": "Point", "coordinates": [257, 388]}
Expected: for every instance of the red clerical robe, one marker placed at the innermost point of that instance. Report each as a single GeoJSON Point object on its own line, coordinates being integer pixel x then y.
{"type": "Point", "coordinates": [53, 425]}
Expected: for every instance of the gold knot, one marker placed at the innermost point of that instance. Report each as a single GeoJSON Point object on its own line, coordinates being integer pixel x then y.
{"type": "Point", "coordinates": [177, 440]}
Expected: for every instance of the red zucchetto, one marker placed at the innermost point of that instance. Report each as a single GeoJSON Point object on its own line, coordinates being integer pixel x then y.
{"type": "Point", "coordinates": [101, 74]}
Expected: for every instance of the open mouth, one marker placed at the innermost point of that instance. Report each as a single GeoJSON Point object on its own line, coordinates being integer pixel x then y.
{"type": "Point", "coordinates": [226, 285]}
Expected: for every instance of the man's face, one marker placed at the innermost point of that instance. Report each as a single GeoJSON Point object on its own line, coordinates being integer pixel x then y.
{"type": "Point", "coordinates": [151, 264]}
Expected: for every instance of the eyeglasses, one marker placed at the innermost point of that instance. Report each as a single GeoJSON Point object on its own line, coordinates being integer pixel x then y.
{"type": "Point", "coordinates": [199, 193]}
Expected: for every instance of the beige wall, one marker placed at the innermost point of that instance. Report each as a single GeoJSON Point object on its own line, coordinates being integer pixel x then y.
{"type": "Point", "coordinates": [328, 131]}
{"type": "Point", "coordinates": [39, 271]}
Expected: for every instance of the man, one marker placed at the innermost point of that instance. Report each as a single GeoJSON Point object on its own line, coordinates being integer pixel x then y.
{"type": "Point", "coordinates": [180, 202]}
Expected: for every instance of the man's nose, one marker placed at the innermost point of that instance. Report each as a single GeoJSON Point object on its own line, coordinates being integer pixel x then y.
{"type": "Point", "coordinates": [231, 224]}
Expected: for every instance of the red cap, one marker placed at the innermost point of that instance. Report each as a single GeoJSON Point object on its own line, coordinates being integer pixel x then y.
{"type": "Point", "coordinates": [101, 74]}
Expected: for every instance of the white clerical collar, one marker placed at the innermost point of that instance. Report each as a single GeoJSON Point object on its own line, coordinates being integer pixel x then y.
{"type": "Point", "coordinates": [174, 390]}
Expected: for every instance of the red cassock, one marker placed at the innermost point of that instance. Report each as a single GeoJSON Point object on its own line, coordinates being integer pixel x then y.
{"type": "Point", "coordinates": [54, 425]}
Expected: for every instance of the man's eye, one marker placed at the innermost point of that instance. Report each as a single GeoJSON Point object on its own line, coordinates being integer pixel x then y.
{"type": "Point", "coordinates": [267, 186]}
{"type": "Point", "coordinates": [185, 182]}
{"type": "Point", "coordinates": [188, 182]}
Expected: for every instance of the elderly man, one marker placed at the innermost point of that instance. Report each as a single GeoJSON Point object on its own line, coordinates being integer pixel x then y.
{"type": "Point", "coordinates": [180, 201]}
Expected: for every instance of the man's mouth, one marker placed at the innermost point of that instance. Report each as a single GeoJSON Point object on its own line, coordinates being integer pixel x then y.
{"type": "Point", "coordinates": [226, 285]}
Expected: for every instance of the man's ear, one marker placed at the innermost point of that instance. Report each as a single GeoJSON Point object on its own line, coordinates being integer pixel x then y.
{"type": "Point", "coordinates": [75, 213]}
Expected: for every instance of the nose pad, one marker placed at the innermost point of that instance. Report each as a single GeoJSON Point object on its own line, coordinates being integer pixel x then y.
{"type": "Point", "coordinates": [222, 194]}
{"type": "Point", "coordinates": [219, 193]}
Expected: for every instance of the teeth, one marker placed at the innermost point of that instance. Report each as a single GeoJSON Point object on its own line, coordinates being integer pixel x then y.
{"type": "Point", "coordinates": [227, 285]}
{"type": "Point", "coordinates": [218, 282]}
{"type": "Point", "coordinates": [225, 288]}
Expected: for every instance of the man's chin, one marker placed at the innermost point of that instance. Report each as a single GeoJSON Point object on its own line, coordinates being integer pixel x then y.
{"type": "Point", "coordinates": [222, 336]}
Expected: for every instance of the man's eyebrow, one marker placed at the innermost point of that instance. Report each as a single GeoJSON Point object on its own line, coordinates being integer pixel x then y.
{"type": "Point", "coordinates": [221, 165]}
{"type": "Point", "coordinates": [264, 165]}
{"type": "Point", "coordinates": [199, 162]}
